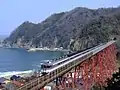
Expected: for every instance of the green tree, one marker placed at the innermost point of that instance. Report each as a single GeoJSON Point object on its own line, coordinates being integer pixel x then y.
{"type": "Point", "coordinates": [114, 83]}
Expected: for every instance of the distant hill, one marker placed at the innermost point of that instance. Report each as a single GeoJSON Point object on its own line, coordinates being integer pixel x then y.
{"type": "Point", "coordinates": [2, 37]}
{"type": "Point", "coordinates": [76, 29]}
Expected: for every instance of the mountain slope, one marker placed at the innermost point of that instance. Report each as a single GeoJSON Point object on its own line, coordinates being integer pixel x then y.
{"type": "Point", "coordinates": [77, 29]}
{"type": "Point", "coordinates": [98, 31]}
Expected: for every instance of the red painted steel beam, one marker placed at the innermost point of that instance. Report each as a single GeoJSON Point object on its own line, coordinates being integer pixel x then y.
{"type": "Point", "coordinates": [95, 70]}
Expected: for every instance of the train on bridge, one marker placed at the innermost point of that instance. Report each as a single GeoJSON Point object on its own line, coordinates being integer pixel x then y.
{"type": "Point", "coordinates": [104, 55]}
{"type": "Point", "coordinates": [50, 66]}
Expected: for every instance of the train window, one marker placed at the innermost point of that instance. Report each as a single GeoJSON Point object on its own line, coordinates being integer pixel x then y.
{"type": "Point", "coordinates": [44, 73]}
{"type": "Point", "coordinates": [45, 66]}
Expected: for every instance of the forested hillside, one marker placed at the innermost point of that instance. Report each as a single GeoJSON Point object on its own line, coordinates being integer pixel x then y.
{"type": "Point", "coordinates": [76, 29]}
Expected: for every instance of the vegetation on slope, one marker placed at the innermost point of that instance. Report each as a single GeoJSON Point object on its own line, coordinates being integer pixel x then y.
{"type": "Point", "coordinates": [98, 31]}
{"type": "Point", "coordinates": [77, 29]}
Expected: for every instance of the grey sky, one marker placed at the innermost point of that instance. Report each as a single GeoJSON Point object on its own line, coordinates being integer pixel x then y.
{"type": "Point", "coordinates": [15, 12]}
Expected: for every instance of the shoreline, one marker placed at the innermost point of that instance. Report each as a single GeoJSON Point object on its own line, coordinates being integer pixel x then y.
{"type": "Point", "coordinates": [47, 49]}
{"type": "Point", "coordinates": [8, 74]}
{"type": "Point", "coordinates": [38, 49]}
{"type": "Point", "coordinates": [21, 74]}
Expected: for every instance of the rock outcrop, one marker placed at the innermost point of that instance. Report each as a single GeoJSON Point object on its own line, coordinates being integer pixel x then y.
{"type": "Point", "coordinates": [77, 29]}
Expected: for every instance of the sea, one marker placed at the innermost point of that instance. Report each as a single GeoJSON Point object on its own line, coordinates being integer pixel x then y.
{"type": "Point", "coordinates": [16, 61]}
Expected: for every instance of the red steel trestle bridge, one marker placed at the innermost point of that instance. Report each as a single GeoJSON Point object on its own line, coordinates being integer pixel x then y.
{"type": "Point", "coordinates": [91, 67]}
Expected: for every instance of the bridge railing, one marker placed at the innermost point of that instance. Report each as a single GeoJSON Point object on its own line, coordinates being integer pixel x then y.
{"type": "Point", "coordinates": [40, 82]}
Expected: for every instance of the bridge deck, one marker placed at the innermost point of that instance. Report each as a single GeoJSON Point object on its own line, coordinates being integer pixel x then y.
{"type": "Point", "coordinates": [60, 70]}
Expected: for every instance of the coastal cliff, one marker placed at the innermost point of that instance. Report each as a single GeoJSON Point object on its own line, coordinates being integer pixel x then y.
{"type": "Point", "coordinates": [77, 29]}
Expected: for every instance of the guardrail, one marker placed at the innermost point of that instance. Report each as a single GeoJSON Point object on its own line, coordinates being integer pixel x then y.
{"type": "Point", "coordinates": [40, 82]}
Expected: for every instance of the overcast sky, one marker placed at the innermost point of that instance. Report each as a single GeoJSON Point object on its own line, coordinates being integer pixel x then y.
{"type": "Point", "coordinates": [15, 12]}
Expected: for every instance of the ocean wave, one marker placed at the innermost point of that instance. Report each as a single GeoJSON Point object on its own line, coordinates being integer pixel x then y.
{"type": "Point", "coordinates": [6, 74]}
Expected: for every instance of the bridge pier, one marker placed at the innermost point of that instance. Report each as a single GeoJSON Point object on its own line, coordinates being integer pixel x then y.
{"type": "Point", "coordinates": [93, 71]}
{"type": "Point", "coordinates": [98, 68]}
{"type": "Point", "coordinates": [82, 71]}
